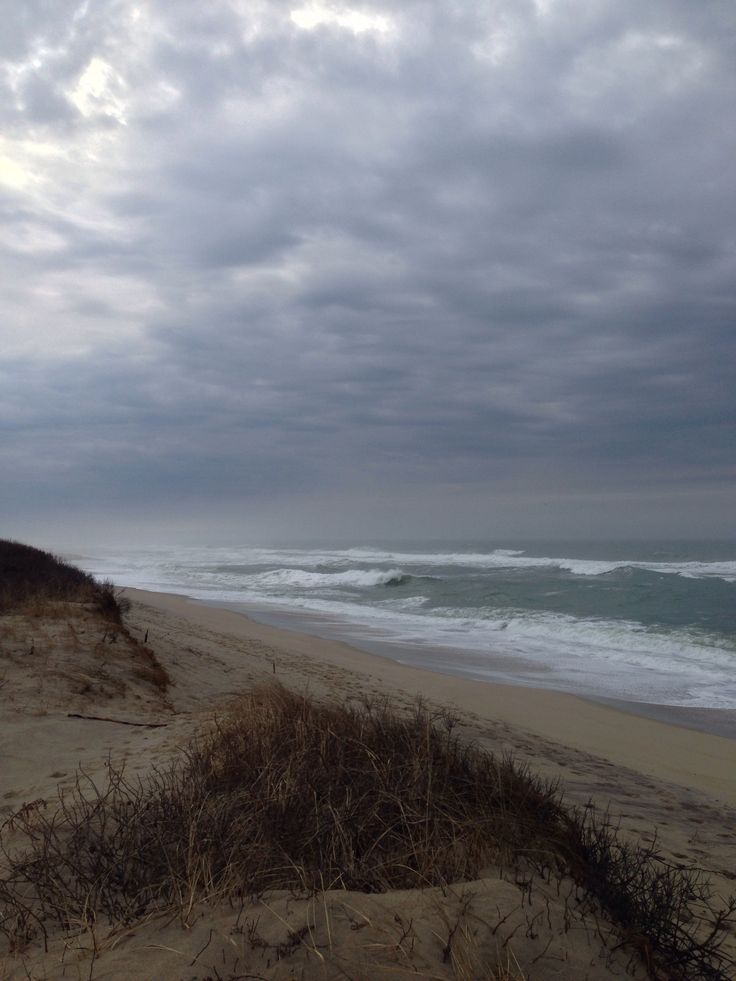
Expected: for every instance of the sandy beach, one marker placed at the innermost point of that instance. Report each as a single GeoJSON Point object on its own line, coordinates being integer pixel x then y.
{"type": "Point", "coordinates": [705, 763]}
{"type": "Point", "coordinates": [648, 774]}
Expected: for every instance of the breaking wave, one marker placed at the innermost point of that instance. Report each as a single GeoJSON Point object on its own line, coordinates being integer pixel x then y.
{"type": "Point", "coordinates": [304, 579]}
{"type": "Point", "coordinates": [502, 558]}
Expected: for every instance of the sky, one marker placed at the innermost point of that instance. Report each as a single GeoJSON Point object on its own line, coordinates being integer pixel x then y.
{"type": "Point", "coordinates": [289, 270]}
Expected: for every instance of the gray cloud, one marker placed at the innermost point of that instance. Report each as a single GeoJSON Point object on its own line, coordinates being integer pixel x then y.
{"type": "Point", "coordinates": [490, 251]}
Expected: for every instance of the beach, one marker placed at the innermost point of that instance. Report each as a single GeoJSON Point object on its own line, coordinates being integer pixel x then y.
{"type": "Point", "coordinates": [705, 763]}
{"type": "Point", "coordinates": [653, 777]}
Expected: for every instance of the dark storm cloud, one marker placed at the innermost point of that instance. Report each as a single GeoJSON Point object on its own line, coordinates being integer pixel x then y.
{"type": "Point", "coordinates": [494, 243]}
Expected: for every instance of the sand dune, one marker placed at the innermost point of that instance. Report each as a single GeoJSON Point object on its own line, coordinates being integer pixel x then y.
{"type": "Point", "coordinates": [55, 669]}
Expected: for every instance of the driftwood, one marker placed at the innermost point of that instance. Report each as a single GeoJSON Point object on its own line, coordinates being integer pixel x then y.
{"type": "Point", "coordinates": [120, 722]}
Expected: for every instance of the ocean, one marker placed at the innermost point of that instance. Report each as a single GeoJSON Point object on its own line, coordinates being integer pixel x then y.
{"type": "Point", "coordinates": [644, 623]}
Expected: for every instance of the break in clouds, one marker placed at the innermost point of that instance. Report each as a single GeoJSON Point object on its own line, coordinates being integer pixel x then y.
{"type": "Point", "coordinates": [416, 257]}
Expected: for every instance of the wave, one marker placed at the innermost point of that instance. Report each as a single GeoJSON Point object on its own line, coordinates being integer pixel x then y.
{"type": "Point", "coordinates": [512, 559]}
{"type": "Point", "coordinates": [688, 570]}
{"type": "Point", "coordinates": [405, 603]}
{"type": "Point", "coordinates": [304, 579]}
{"type": "Point", "coordinates": [626, 641]}
{"type": "Point", "coordinates": [608, 658]}
{"type": "Point", "coordinates": [496, 559]}
{"type": "Point", "coordinates": [298, 561]}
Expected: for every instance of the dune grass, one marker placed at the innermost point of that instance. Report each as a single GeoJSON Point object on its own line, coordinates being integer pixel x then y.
{"type": "Point", "coordinates": [40, 593]}
{"type": "Point", "coordinates": [288, 793]}
{"type": "Point", "coordinates": [30, 576]}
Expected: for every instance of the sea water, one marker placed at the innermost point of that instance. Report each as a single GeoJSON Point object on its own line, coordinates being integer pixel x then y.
{"type": "Point", "coordinates": [650, 623]}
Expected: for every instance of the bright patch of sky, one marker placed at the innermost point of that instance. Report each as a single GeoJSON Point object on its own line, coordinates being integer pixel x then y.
{"type": "Point", "coordinates": [99, 91]}
{"type": "Point", "coordinates": [11, 174]}
{"type": "Point", "coordinates": [356, 21]}
{"type": "Point", "coordinates": [544, 7]}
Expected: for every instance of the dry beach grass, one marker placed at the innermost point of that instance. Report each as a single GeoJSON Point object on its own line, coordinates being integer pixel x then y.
{"type": "Point", "coordinates": [288, 794]}
{"type": "Point", "coordinates": [271, 832]}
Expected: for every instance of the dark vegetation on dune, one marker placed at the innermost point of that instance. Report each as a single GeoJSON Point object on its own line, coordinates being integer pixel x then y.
{"type": "Point", "coordinates": [288, 793]}
{"type": "Point", "coordinates": [29, 576]}
{"type": "Point", "coordinates": [41, 587]}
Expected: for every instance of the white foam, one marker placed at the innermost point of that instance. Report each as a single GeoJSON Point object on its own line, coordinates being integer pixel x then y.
{"type": "Point", "coordinates": [615, 658]}
{"type": "Point", "coordinates": [405, 603]}
{"type": "Point", "coordinates": [202, 559]}
{"type": "Point", "coordinates": [302, 579]}
{"type": "Point", "coordinates": [603, 657]}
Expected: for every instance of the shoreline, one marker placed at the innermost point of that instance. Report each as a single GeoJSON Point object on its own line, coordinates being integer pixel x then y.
{"type": "Point", "coordinates": [427, 657]}
{"type": "Point", "coordinates": [698, 761]}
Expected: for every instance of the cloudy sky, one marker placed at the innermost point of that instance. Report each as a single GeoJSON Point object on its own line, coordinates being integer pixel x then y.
{"type": "Point", "coordinates": [430, 268]}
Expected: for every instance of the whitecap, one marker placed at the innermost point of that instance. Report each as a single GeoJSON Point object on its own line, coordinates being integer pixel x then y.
{"type": "Point", "coordinates": [305, 579]}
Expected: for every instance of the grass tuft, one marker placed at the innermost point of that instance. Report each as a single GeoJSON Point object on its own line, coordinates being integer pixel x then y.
{"type": "Point", "coordinates": [289, 793]}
